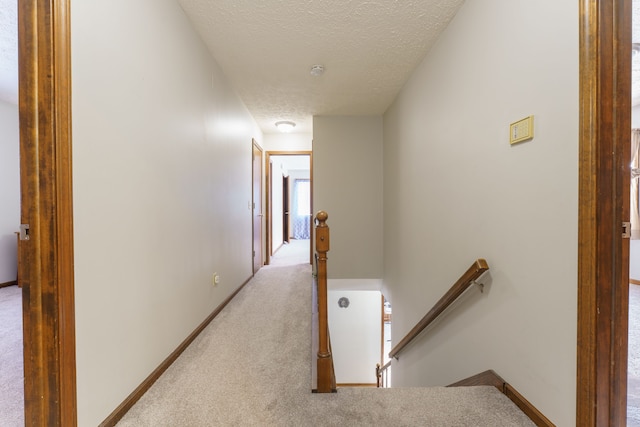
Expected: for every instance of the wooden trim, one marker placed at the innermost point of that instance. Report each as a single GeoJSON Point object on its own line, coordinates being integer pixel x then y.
{"type": "Point", "coordinates": [458, 288]}
{"type": "Point", "coordinates": [483, 378]}
{"type": "Point", "coordinates": [7, 284]}
{"type": "Point", "coordinates": [634, 282]}
{"type": "Point", "coordinates": [46, 205]}
{"type": "Point", "coordinates": [491, 378]}
{"type": "Point", "coordinates": [381, 329]}
{"type": "Point", "coordinates": [131, 400]}
{"type": "Point", "coordinates": [256, 147]}
{"type": "Point", "coordinates": [374, 385]}
{"type": "Point", "coordinates": [269, 202]}
{"type": "Point", "coordinates": [525, 406]}
{"type": "Point", "coordinates": [605, 55]}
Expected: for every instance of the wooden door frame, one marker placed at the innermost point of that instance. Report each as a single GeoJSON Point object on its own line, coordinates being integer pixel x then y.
{"type": "Point", "coordinates": [269, 202]}
{"type": "Point", "coordinates": [254, 145]}
{"type": "Point", "coordinates": [46, 274]}
{"type": "Point", "coordinates": [286, 216]}
{"type": "Point", "coordinates": [605, 129]}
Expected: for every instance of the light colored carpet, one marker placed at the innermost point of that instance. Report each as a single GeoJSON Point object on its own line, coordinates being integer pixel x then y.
{"type": "Point", "coordinates": [292, 253]}
{"type": "Point", "coordinates": [633, 364]}
{"type": "Point", "coordinates": [11, 366]}
{"type": "Point", "coordinates": [251, 367]}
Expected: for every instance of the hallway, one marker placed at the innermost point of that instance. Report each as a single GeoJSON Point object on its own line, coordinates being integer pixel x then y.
{"type": "Point", "coordinates": [251, 366]}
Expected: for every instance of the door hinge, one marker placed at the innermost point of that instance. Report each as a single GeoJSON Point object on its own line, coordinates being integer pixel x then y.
{"type": "Point", "coordinates": [626, 230]}
{"type": "Point", "coordinates": [24, 231]}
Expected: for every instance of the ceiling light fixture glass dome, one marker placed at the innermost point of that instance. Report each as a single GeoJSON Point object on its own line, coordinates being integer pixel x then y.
{"type": "Point", "coordinates": [285, 126]}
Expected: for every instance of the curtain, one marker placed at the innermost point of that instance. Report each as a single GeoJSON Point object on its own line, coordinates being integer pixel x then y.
{"type": "Point", "coordinates": [301, 209]}
{"type": "Point", "coordinates": [635, 172]}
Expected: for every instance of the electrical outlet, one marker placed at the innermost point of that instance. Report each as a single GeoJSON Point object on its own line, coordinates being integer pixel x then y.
{"type": "Point", "coordinates": [215, 279]}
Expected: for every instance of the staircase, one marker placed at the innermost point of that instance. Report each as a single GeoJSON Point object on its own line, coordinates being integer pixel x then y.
{"type": "Point", "coordinates": [464, 393]}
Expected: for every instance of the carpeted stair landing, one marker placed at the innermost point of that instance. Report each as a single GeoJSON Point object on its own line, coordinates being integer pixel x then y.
{"type": "Point", "coordinates": [251, 367]}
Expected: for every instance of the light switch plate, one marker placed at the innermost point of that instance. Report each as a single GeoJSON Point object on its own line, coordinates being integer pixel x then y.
{"type": "Point", "coordinates": [522, 130]}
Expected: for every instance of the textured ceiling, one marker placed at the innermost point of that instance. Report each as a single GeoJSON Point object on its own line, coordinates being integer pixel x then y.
{"type": "Point", "coordinates": [266, 48]}
{"type": "Point", "coordinates": [8, 51]}
{"type": "Point", "coordinates": [368, 48]}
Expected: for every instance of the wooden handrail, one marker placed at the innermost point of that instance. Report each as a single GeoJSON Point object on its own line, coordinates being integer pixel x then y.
{"type": "Point", "coordinates": [458, 288]}
{"type": "Point", "coordinates": [326, 381]}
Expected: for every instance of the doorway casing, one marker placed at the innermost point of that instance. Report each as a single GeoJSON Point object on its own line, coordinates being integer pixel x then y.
{"type": "Point", "coordinates": [269, 202]}
{"type": "Point", "coordinates": [256, 206]}
{"type": "Point", "coordinates": [604, 177]}
{"type": "Point", "coordinates": [46, 275]}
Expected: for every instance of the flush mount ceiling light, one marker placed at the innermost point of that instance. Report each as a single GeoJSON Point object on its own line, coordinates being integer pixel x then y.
{"type": "Point", "coordinates": [285, 126]}
{"type": "Point", "coordinates": [317, 70]}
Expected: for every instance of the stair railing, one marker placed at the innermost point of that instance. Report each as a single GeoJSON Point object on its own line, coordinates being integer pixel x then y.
{"type": "Point", "coordinates": [326, 379]}
{"type": "Point", "coordinates": [469, 278]}
{"type": "Point", "coordinates": [382, 375]}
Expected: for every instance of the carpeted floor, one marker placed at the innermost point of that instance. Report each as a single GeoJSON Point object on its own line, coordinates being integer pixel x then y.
{"type": "Point", "coordinates": [11, 369]}
{"type": "Point", "coordinates": [251, 367]}
{"type": "Point", "coordinates": [292, 253]}
{"type": "Point", "coordinates": [633, 365]}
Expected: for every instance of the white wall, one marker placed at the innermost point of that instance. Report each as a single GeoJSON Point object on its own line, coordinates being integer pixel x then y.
{"type": "Point", "coordinates": [9, 189]}
{"type": "Point", "coordinates": [277, 173]}
{"type": "Point", "coordinates": [634, 249]}
{"type": "Point", "coordinates": [356, 335]}
{"type": "Point", "coordinates": [287, 141]}
{"type": "Point", "coordinates": [347, 179]}
{"type": "Point", "coordinates": [162, 185]}
{"type": "Point", "coordinates": [635, 116]}
{"type": "Point", "coordinates": [455, 190]}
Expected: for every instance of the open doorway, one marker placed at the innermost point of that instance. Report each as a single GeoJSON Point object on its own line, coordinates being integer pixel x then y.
{"type": "Point", "coordinates": [289, 200]}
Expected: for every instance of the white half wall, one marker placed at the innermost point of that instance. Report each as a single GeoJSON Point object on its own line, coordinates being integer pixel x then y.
{"type": "Point", "coordinates": [162, 190]}
{"type": "Point", "coordinates": [9, 190]}
{"type": "Point", "coordinates": [347, 182]}
{"type": "Point", "coordinates": [455, 190]}
{"type": "Point", "coordinates": [356, 335]}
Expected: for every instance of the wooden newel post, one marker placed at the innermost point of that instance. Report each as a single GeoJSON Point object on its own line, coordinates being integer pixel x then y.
{"type": "Point", "coordinates": [324, 353]}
